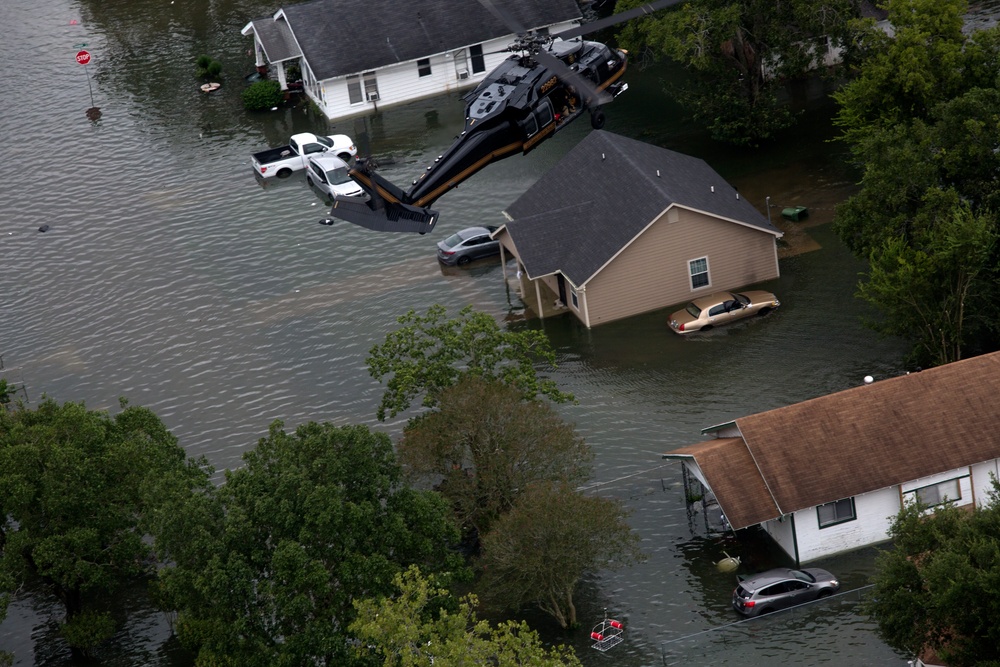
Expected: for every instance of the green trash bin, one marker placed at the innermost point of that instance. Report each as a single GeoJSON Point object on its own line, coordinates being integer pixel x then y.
{"type": "Point", "coordinates": [794, 213]}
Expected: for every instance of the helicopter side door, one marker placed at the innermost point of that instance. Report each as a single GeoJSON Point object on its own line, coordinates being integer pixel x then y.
{"type": "Point", "coordinates": [538, 124]}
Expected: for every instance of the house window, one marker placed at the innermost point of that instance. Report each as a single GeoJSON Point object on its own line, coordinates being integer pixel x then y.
{"type": "Point", "coordinates": [699, 272]}
{"type": "Point", "coordinates": [371, 87]}
{"type": "Point", "coordinates": [424, 67]}
{"type": "Point", "coordinates": [574, 298]}
{"type": "Point", "coordinates": [836, 512]}
{"type": "Point", "coordinates": [937, 494]}
{"type": "Point", "coordinates": [478, 62]}
{"type": "Point", "coordinates": [354, 89]}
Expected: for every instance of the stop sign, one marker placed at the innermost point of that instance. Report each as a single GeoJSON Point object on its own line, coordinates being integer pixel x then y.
{"type": "Point", "coordinates": [83, 57]}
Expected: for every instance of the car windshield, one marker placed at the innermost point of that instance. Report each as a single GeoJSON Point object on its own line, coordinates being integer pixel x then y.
{"type": "Point", "coordinates": [742, 299]}
{"type": "Point", "coordinates": [325, 141]}
{"type": "Point", "coordinates": [694, 310]}
{"type": "Point", "coordinates": [453, 240]}
{"type": "Point", "coordinates": [338, 176]}
{"type": "Point", "coordinates": [804, 576]}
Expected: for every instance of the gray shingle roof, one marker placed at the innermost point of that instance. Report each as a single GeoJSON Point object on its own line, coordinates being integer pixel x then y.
{"type": "Point", "coordinates": [276, 38]}
{"type": "Point", "coordinates": [603, 193]}
{"type": "Point", "coordinates": [340, 37]}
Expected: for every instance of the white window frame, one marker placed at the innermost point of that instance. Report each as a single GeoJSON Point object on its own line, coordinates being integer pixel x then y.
{"type": "Point", "coordinates": [574, 299]}
{"type": "Point", "coordinates": [422, 65]}
{"type": "Point", "coordinates": [691, 274]}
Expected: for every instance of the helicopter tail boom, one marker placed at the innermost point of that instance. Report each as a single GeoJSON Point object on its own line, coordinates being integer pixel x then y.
{"type": "Point", "coordinates": [386, 209]}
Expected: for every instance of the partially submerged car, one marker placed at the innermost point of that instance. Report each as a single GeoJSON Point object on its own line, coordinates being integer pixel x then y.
{"type": "Point", "coordinates": [720, 308]}
{"type": "Point", "coordinates": [328, 174]}
{"type": "Point", "coordinates": [471, 243]}
{"type": "Point", "coordinates": [782, 588]}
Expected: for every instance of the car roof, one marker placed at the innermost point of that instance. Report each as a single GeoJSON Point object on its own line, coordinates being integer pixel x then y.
{"type": "Point", "coordinates": [327, 162]}
{"type": "Point", "coordinates": [712, 299]}
{"type": "Point", "coordinates": [767, 578]}
{"type": "Point", "coordinates": [469, 232]}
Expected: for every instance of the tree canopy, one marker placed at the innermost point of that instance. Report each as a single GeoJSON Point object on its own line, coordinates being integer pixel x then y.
{"type": "Point", "coordinates": [488, 444]}
{"type": "Point", "coordinates": [740, 54]}
{"type": "Point", "coordinates": [267, 565]}
{"type": "Point", "coordinates": [939, 587]}
{"type": "Point", "coordinates": [921, 118]}
{"type": "Point", "coordinates": [936, 292]}
{"type": "Point", "coordinates": [429, 353]}
{"type": "Point", "coordinates": [415, 628]}
{"type": "Point", "coordinates": [537, 552]}
{"type": "Point", "coordinates": [79, 490]}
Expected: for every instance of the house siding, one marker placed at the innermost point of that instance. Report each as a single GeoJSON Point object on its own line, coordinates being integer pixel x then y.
{"type": "Point", "coordinates": [874, 512]}
{"type": "Point", "coordinates": [982, 485]}
{"type": "Point", "coordinates": [652, 272]}
{"type": "Point", "coordinates": [782, 532]}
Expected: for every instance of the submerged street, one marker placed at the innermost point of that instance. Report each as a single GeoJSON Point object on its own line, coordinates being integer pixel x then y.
{"type": "Point", "coordinates": [170, 276]}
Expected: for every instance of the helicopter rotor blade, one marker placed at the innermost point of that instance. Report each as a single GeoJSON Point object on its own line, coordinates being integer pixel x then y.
{"type": "Point", "coordinates": [504, 16]}
{"type": "Point", "coordinates": [614, 19]}
{"type": "Point", "coordinates": [590, 95]}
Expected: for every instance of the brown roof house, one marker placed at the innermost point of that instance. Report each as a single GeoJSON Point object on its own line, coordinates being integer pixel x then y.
{"type": "Point", "coordinates": [620, 227]}
{"type": "Point", "coordinates": [828, 475]}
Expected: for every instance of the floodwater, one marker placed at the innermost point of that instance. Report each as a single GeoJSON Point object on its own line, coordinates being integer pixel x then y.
{"type": "Point", "coordinates": [170, 276]}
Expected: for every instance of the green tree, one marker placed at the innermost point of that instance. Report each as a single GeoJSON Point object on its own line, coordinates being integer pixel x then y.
{"type": "Point", "coordinates": [936, 290]}
{"type": "Point", "coordinates": [416, 629]}
{"type": "Point", "coordinates": [740, 54]}
{"type": "Point", "coordinates": [267, 566]}
{"type": "Point", "coordinates": [78, 491]}
{"type": "Point", "coordinates": [537, 552]}
{"type": "Point", "coordinates": [939, 586]}
{"type": "Point", "coordinates": [429, 353]}
{"type": "Point", "coordinates": [487, 444]}
{"type": "Point", "coordinates": [904, 76]}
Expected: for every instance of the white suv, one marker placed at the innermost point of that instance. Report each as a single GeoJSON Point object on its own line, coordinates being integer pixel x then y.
{"type": "Point", "coordinates": [328, 174]}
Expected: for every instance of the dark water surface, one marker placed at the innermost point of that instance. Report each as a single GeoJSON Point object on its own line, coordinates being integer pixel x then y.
{"type": "Point", "coordinates": [171, 277]}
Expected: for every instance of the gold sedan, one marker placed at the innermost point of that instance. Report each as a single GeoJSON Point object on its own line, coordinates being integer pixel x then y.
{"type": "Point", "coordinates": [722, 308]}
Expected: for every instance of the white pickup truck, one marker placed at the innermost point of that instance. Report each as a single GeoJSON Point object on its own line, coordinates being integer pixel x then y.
{"type": "Point", "coordinates": [282, 161]}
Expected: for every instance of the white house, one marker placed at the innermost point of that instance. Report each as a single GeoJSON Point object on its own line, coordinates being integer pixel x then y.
{"type": "Point", "coordinates": [359, 55]}
{"type": "Point", "coordinates": [828, 475]}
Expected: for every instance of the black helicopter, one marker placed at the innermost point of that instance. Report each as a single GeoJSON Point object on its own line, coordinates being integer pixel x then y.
{"type": "Point", "coordinates": [548, 82]}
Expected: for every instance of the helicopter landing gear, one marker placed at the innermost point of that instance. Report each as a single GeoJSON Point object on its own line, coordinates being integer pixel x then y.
{"type": "Point", "coordinates": [597, 119]}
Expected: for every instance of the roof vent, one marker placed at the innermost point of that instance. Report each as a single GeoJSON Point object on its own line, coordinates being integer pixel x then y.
{"type": "Point", "coordinates": [713, 188]}
{"type": "Point", "coordinates": [602, 157]}
{"type": "Point", "coordinates": [657, 173]}
{"type": "Point", "coordinates": [869, 379]}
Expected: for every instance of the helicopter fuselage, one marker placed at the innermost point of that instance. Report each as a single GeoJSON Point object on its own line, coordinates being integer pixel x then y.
{"type": "Point", "coordinates": [514, 109]}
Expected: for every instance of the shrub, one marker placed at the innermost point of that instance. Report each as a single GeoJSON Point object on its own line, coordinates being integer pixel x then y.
{"type": "Point", "coordinates": [206, 67]}
{"type": "Point", "coordinates": [262, 95]}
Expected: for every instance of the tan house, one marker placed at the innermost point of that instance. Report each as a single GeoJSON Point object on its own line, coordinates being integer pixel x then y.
{"type": "Point", "coordinates": [829, 474]}
{"type": "Point", "coordinates": [620, 227]}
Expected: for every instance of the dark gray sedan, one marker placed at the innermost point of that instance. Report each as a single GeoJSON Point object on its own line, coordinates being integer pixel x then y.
{"type": "Point", "coordinates": [467, 245]}
{"type": "Point", "coordinates": [781, 588]}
